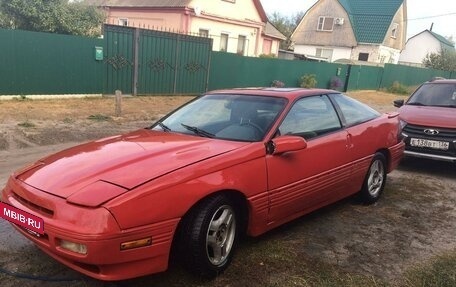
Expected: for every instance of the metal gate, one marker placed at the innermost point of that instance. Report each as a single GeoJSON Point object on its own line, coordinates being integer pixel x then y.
{"type": "Point", "coordinates": [140, 61]}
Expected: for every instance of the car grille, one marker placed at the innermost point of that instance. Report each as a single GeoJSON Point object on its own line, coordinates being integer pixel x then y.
{"type": "Point", "coordinates": [33, 206]}
{"type": "Point", "coordinates": [445, 134]}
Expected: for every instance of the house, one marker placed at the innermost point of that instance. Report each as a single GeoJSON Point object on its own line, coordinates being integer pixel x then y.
{"type": "Point", "coordinates": [353, 30]}
{"type": "Point", "coordinates": [236, 26]}
{"type": "Point", "coordinates": [423, 43]}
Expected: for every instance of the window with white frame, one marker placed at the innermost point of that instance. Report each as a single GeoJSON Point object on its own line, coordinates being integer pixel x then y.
{"type": "Point", "coordinates": [224, 42]}
{"type": "Point", "coordinates": [325, 23]}
{"type": "Point", "coordinates": [123, 21]}
{"type": "Point", "coordinates": [324, 53]}
{"type": "Point", "coordinates": [241, 44]}
{"type": "Point", "coordinates": [394, 30]}
{"type": "Point", "coordinates": [204, 33]}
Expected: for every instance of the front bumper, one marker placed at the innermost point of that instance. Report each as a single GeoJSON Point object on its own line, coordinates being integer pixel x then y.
{"type": "Point", "coordinates": [97, 229]}
{"type": "Point", "coordinates": [430, 156]}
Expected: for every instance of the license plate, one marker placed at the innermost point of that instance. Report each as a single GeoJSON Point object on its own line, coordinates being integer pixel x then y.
{"type": "Point", "coordinates": [429, 144]}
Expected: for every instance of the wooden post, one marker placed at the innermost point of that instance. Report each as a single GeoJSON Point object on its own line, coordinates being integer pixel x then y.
{"type": "Point", "coordinates": [118, 103]}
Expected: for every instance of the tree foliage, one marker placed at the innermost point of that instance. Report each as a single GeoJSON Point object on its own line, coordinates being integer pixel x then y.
{"type": "Point", "coordinates": [445, 60]}
{"type": "Point", "coordinates": [53, 16]}
{"type": "Point", "coordinates": [286, 25]}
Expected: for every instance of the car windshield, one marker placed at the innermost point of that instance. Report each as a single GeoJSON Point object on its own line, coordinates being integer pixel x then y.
{"type": "Point", "coordinates": [435, 94]}
{"type": "Point", "coordinates": [225, 116]}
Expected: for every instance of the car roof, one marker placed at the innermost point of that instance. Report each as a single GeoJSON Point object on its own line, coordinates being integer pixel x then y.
{"type": "Point", "coordinates": [442, 81]}
{"type": "Point", "coordinates": [289, 93]}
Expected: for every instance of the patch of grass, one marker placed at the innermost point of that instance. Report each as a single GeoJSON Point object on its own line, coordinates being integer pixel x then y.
{"type": "Point", "coordinates": [68, 120]}
{"type": "Point", "coordinates": [26, 124]}
{"type": "Point", "coordinates": [99, 118]}
{"type": "Point", "coordinates": [439, 272]}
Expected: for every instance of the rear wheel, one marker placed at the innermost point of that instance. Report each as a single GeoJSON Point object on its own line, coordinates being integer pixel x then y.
{"type": "Point", "coordinates": [375, 180]}
{"type": "Point", "coordinates": [210, 234]}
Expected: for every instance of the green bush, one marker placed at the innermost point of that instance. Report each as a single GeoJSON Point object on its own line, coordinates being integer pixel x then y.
{"type": "Point", "coordinates": [398, 88]}
{"type": "Point", "coordinates": [308, 81]}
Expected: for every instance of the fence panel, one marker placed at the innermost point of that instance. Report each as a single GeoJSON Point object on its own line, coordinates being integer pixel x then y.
{"type": "Point", "coordinates": [364, 77]}
{"type": "Point", "coordinates": [119, 59]}
{"type": "Point", "coordinates": [172, 63]}
{"type": "Point", "coordinates": [231, 70]}
{"type": "Point", "coordinates": [36, 63]}
{"type": "Point", "coordinates": [409, 76]}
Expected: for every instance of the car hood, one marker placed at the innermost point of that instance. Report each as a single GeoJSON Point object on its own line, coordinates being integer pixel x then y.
{"type": "Point", "coordinates": [429, 116]}
{"type": "Point", "coordinates": [125, 161]}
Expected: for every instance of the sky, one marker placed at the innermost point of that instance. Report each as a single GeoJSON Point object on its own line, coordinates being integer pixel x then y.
{"type": "Point", "coordinates": [421, 14]}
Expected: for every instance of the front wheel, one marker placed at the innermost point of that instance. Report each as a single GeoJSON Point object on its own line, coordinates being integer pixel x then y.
{"type": "Point", "coordinates": [375, 180]}
{"type": "Point", "coordinates": [210, 236]}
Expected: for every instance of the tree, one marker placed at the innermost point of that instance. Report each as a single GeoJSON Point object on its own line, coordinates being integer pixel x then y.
{"type": "Point", "coordinates": [286, 26]}
{"type": "Point", "coordinates": [445, 60]}
{"type": "Point", "coordinates": [53, 16]}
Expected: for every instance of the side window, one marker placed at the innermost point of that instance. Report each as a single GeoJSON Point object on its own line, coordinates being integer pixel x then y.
{"type": "Point", "coordinates": [353, 111]}
{"type": "Point", "coordinates": [310, 117]}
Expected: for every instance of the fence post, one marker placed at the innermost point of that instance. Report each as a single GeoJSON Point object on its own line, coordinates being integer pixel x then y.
{"type": "Point", "coordinates": [136, 61]}
{"type": "Point", "coordinates": [118, 103]}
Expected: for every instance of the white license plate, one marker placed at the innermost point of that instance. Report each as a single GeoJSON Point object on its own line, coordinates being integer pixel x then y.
{"type": "Point", "coordinates": [430, 144]}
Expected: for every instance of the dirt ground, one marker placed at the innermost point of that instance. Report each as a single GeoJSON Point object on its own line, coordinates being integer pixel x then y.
{"type": "Point", "coordinates": [414, 221]}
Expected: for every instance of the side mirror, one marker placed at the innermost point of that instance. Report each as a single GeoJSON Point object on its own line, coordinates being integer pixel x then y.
{"type": "Point", "coordinates": [285, 144]}
{"type": "Point", "coordinates": [398, 103]}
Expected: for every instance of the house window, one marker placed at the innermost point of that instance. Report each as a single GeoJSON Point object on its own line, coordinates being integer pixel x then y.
{"type": "Point", "coordinates": [394, 30]}
{"type": "Point", "coordinates": [241, 45]}
{"type": "Point", "coordinates": [324, 53]}
{"type": "Point", "coordinates": [123, 21]}
{"type": "Point", "coordinates": [204, 33]}
{"type": "Point", "coordinates": [363, 57]}
{"type": "Point", "coordinates": [325, 23]}
{"type": "Point", "coordinates": [224, 42]}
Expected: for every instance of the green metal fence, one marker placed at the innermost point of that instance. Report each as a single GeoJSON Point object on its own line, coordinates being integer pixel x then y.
{"type": "Point", "coordinates": [231, 70]}
{"type": "Point", "coordinates": [140, 61]}
{"type": "Point", "coordinates": [364, 77]}
{"type": "Point", "coordinates": [410, 76]}
{"type": "Point", "coordinates": [43, 63]}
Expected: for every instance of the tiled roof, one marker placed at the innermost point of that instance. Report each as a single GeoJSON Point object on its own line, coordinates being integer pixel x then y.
{"type": "Point", "coordinates": [442, 39]}
{"type": "Point", "coordinates": [272, 31]}
{"type": "Point", "coordinates": [371, 18]}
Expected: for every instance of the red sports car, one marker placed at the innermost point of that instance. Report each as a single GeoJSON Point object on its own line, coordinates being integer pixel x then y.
{"type": "Point", "coordinates": [428, 119]}
{"type": "Point", "coordinates": [229, 162]}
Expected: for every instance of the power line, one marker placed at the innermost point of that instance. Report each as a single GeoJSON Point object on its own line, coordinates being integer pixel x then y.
{"type": "Point", "coordinates": [434, 16]}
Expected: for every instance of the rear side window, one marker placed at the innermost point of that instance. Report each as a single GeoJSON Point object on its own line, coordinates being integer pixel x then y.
{"type": "Point", "coordinates": [354, 112]}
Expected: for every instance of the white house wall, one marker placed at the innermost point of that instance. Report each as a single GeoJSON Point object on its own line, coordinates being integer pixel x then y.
{"type": "Point", "coordinates": [418, 47]}
{"type": "Point", "coordinates": [338, 52]}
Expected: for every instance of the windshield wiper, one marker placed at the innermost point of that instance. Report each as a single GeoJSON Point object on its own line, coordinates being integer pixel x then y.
{"type": "Point", "coordinates": [164, 127]}
{"type": "Point", "coordinates": [198, 131]}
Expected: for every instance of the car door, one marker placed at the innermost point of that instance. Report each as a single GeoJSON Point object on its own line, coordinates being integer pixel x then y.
{"type": "Point", "coordinates": [304, 180]}
{"type": "Point", "coordinates": [362, 134]}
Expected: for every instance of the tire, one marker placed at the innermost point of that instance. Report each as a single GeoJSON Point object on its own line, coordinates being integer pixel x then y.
{"type": "Point", "coordinates": [375, 180]}
{"type": "Point", "coordinates": [210, 234]}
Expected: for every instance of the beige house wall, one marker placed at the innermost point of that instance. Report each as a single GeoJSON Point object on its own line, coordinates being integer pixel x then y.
{"type": "Point", "coordinates": [147, 18]}
{"type": "Point", "coordinates": [341, 36]}
{"type": "Point", "coordinates": [399, 41]}
{"type": "Point", "coordinates": [242, 10]}
{"type": "Point", "coordinates": [216, 28]}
